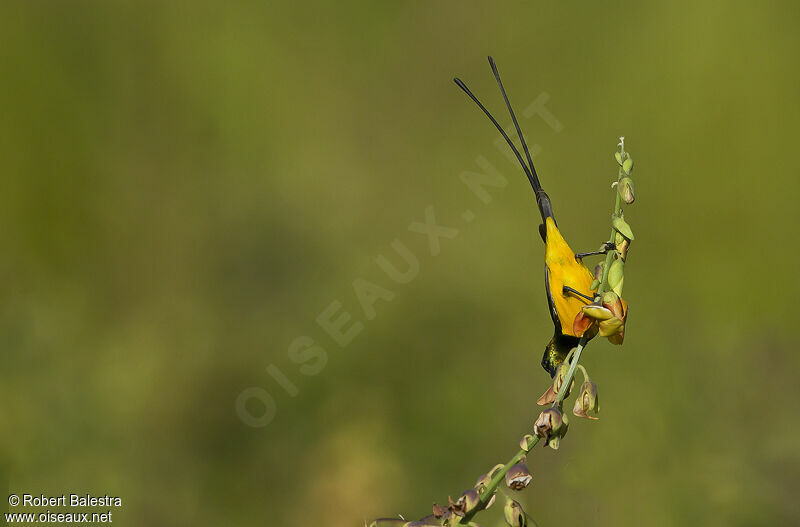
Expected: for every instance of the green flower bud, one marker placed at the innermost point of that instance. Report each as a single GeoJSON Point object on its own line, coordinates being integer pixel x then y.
{"type": "Point", "coordinates": [523, 443]}
{"type": "Point", "coordinates": [595, 284]}
{"type": "Point", "coordinates": [616, 276]}
{"type": "Point", "coordinates": [518, 476]}
{"type": "Point", "coordinates": [587, 401]}
{"type": "Point", "coordinates": [618, 157]}
{"type": "Point", "coordinates": [622, 227]}
{"type": "Point", "coordinates": [514, 515]}
{"type": "Point", "coordinates": [625, 189]}
{"type": "Point", "coordinates": [627, 165]}
{"type": "Point", "coordinates": [618, 287]}
{"type": "Point", "coordinates": [610, 298]}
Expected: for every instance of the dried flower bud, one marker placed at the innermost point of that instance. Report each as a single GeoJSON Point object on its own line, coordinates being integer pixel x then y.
{"type": "Point", "coordinates": [550, 425]}
{"type": "Point", "coordinates": [466, 503]}
{"type": "Point", "coordinates": [561, 376]}
{"type": "Point", "coordinates": [482, 482]}
{"type": "Point", "coordinates": [514, 515]}
{"type": "Point", "coordinates": [440, 512]}
{"type": "Point", "coordinates": [625, 189]}
{"type": "Point", "coordinates": [549, 396]}
{"type": "Point", "coordinates": [518, 476]}
{"type": "Point", "coordinates": [587, 401]}
{"type": "Point", "coordinates": [523, 443]}
{"type": "Point", "coordinates": [545, 421]}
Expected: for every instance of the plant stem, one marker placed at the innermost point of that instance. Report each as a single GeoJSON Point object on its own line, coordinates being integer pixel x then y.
{"type": "Point", "coordinates": [491, 488]}
{"type": "Point", "coordinates": [600, 290]}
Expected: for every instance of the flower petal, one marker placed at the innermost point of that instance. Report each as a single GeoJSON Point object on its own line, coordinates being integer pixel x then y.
{"type": "Point", "coordinates": [609, 327]}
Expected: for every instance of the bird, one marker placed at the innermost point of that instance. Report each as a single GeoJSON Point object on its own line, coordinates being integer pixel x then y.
{"type": "Point", "coordinates": [568, 282]}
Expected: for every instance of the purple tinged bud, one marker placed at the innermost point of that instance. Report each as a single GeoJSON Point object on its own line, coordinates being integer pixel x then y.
{"type": "Point", "coordinates": [518, 477]}
{"type": "Point", "coordinates": [587, 401]}
{"type": "Point", "coordinates": [550, 425]}
{"type": "Point", "coordinates": [598, 271]}
{"type": "Point", "coordinates": [466, 503]}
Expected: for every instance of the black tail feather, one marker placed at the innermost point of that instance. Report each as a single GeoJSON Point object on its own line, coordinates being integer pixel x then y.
{"type": "Point", "coordinates": [542, 199]}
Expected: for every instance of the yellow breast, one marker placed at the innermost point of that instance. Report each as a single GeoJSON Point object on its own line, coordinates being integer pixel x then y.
{"type": "Point", "coordinates": [565, 270]}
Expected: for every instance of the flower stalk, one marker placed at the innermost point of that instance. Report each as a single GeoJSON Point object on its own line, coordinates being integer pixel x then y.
{"type": "Point", "coordinates": [552, 423]}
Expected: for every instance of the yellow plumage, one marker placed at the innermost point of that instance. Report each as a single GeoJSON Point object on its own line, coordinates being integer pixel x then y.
{"type": "Point", "coordinates": [565, 270]}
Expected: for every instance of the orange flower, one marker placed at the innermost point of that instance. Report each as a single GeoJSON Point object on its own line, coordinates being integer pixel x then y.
{"type": "Point", "coordinates": [606, 317]}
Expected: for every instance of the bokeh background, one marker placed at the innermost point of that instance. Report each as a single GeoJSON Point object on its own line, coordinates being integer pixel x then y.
{"type": "Point", "coordinates": [187, 186]}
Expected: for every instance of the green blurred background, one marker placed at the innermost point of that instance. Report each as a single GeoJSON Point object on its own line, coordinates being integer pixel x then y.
{"type": "Point", "coordinates": [187, 186]}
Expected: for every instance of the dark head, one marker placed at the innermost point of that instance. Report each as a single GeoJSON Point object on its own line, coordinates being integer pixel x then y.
{"type": "Point", "coordinates": [556, 351]}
